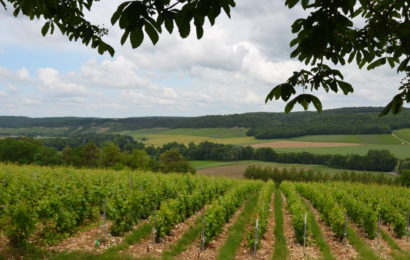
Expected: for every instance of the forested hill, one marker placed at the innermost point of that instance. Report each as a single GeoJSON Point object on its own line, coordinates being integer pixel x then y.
{"type": "Point", "coordinates": [359, 120]}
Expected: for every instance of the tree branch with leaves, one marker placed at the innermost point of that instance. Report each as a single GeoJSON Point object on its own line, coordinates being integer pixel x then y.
{"type": "Point", "coordinates": [329, 34]}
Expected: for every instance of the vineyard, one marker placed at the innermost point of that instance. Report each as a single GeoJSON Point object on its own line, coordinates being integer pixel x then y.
{"type": "Point", "coordinates": [66, 213]}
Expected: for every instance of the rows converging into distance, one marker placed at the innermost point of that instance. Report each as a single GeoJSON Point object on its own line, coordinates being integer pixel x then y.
{"type": "Point", "coordinates": [72, 213]}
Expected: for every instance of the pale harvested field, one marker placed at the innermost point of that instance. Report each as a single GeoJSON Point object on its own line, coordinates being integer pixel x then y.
{"type": "Point", "coordinates": [299, 144]}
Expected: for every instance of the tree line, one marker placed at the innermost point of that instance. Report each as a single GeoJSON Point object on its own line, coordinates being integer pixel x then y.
{"type": "Point", "coordinates": [302, 175]}
{"type": "Point", "coordinates": [107, 155]}
{"type": "Point", "coordinates": [360, 120]}
{"type": "Point", "coordinates": [374, 160]}
{"type": "Point", "coordinates": [121, 151]}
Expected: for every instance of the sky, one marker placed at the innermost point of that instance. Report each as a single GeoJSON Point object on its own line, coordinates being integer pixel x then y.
{"type": "Point", "coordinates": [230, 70]}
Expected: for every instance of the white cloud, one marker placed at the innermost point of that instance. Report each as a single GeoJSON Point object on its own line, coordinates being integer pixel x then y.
{"type": "Point", "coordinates": [117, 73]}
{"type": "Point", "coordinates": [51, 82]}
{"type": "Point", "coordinates": [30, 101]}
{"type": "Point", "coordinates": [230, 70]}
{"type": "Point", "coordinates": [23, 74]}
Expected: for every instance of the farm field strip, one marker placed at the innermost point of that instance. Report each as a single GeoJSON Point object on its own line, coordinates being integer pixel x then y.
{"type": "Point", "coordinates": [403, 134]}
{"type": "Point", "coordinates": [300, 144]}
{"type": "Point", "coordinates": [188, 212]}
{"type": "Point", "coordinates": [317, 144]}
{"type": "Point", "coordinates": [236, 169]}
{"type": "Point", "coordinates": [362, 139]}
{"type": "Point", "coordinates": [402, 151]}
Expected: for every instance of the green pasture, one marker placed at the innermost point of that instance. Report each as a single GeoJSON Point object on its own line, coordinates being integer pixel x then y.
{"type": "Point", "coordinates": [161, 136]}
{"type": "Point", "coordinates": [198, 165]}
{"type": "Point", "coordinates": [237, 136]}
{"type": "Point", "coordinates": [221, 167]}
{"type": "Point", "coordinates": [403, 134]}
{"type": "Point", "coordinates": [44, 131]}
{"type": "Point", "coordinates": [362, 139]}
{"type": "Point", "coordinates": [204, 132]}
{"type": "Point", "coordinates": [402, 151]}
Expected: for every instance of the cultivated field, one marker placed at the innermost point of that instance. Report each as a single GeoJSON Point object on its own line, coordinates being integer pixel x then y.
{"type": "Point", "coordinates": [319, 144]}
{"type": "Point", "coordinates": [236, 169]}
{"type": "Point", "coordinates": [62, 213]}
{"type": "Point", "coordinates": [161, 136]}
{"type": "Point", "coordinates": [300, 144]}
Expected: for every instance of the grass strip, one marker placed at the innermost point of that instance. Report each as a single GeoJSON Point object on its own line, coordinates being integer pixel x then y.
{"type": "Point", "coordinates": [187, 239]}
{"type": "Point", "coordinates": [111, 253]}
{"type": "Point", "coordinates": [134, 237]}
{"type": "Point", "coordinates": [235, 232]}
{"type": "Point", "coordinates": [281, 250]}
{"type": "Point", "coordinates": [403, 254]}
{"type": "Point", "coordinates": [362, 248]}
{"type": "Point", "coordinates": [317, 235]}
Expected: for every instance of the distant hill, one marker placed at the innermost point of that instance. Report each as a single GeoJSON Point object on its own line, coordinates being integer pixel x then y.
{"type": "Point", "coordinates": [262, 125]}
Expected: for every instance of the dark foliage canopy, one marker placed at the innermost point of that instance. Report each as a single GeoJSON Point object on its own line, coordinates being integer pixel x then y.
{"type": "Point", "coordinates": [359, 120]}
{"type": "Point", "coordinates": [330, 34]}
{"type": "Point", "coordinates": [371, 33]}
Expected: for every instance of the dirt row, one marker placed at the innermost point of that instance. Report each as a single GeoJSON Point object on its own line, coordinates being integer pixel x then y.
{"type": "Point", "coordinates": [148, 248]}
{"type": "Point", "coordinates": [342, 250]}
{"type": "Point", "coordinates": [267, 241]}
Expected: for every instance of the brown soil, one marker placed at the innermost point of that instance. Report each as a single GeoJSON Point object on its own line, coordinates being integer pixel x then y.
{"type": "Point", "coordinates": [266, 248]}
{"type": "Point", "coordinates": [341, 250]}
{"type": "Point", "coordinates": [85, 241]}
{"type": "Point", "coordinates": [378, 245]}
{"type": "Point", "coordinates": [3, 243]}
{"type": "Point", "coordinates": [403, 243]}
{"type": "Point", "coordinates": [236, 170]}
{"type": "Point", "coordinates": [147, 248]}
{"type": "Point", "coordinates": [300, 144]}
{"type": "Point", "coordinates": [296, 251]}
{"type": "Point", "coordinates": [211, 251]}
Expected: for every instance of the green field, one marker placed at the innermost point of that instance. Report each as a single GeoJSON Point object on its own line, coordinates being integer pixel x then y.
{"type": "Point", "coordinates": [44, 131]}
{"type": "Point", "coordinates": [236, 169]}
{"type": "Point", "coordinates": [362, 139]}
{"type": "Point", "coordinates": [161, 136]}
{"type": "Point", "coordinates": [402, 151]}
{"type": "Point", "coordinates": [237, 136]}
{"type": "Point", "coordinates": [403, 134]}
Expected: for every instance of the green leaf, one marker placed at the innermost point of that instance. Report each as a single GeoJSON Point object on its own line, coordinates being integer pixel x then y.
{"type": "Point", "coordinates": [124, 37]}
{"type": "Point", "coordinates": [291, 3]}
{"type": "Point", "coordinates": [289, 106]}
{"type": "Point", "coordinates": [391, 62]}
{"type": "Point", "coordinates": [152, 33]}
{"type": "Point", "coordinates": [45, 28]}
{"type": "Point", "coordinates": [345, 87]}
{"type": "Point", "coordinates": [169, 23]}
{"type": "Point", "coordinates": [184, 28]}
{"type": "Point", "coordinates": [305, 4]}
{"type": "Point", "coordinates": [351, 56]}
{"type": "Point", "coordinates": [199, 32]}
{"type": "Point", "coordinates": [117, 14]}
{"type": "Point", "coordinates": [304, 100]}
{"type": "Point", "coordinates": [101, 48]}
{"type": "Point", "coordinates": [136, 37]}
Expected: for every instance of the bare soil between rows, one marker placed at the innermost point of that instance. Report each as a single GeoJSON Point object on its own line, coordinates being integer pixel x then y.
{"type": "Point", "coordinates": [296, 251]}
{"type": "Point", "coordinates": [300, 144]}
{"type": "Point", "coordinates": [267, 241]}
{"type": "Point", "coordinates": [212, 250]}
{"type": "Point", "coordinates": [340, 250]}
{"type": "Point", "coordinates": [147, 248]}
{"type": "Point", "coordinates": [86, 241]}
{"type": "Point", "coordinates": [403, 242]}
